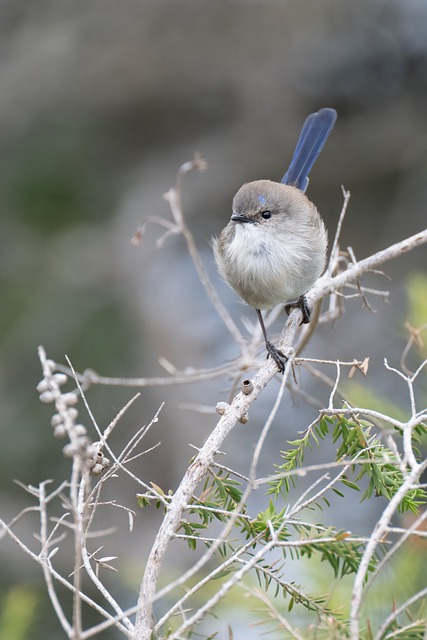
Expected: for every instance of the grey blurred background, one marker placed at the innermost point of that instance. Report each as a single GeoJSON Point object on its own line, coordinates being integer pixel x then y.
{"type": "Point", "coordinates": [100, 103]}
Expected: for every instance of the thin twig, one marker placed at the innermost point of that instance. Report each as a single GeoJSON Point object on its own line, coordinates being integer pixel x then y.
{"type": "Point", "coordinates": [375, 539]}
{"type": "Point", "coordinates": [92, 603]}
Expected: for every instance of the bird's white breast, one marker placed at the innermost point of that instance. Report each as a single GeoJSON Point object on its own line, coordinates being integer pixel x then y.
{"type": "Point", "coordinates": [268, 268]}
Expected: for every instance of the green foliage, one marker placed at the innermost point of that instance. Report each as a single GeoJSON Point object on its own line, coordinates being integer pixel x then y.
{"type": "Point", "coordinates": [365, 454]}
{"type": "Point", "coordinates": [415, 630]}
{"type": "Point", "coordinates": [218, 500]}
{"type": "Point", "coordinates": [220, 496]}
{"type": "Point", "coordinates": [362, 463]}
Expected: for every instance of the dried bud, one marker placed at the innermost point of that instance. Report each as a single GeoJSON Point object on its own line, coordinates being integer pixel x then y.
{"type": "Point", "coordinates": [244, 418]}
{"type": "Point", "coordinates": [221, 407]}
{"type": "Point", "coordinates": [69, 450]}
{"type": "Point", "coordinates": [60, 431]}
{"type": "Point", "coordinates": [70, 398]}
{"type": "Point", "coordinates": [247, 387]}
{"type": "Point", "coordinates": [98, 467]}
{"type": "Point", "coordinates": [46, 397]}
{"type": "Point", "coordinates": [42, 385]}
{"type": "Point", "coordinates": [137, 237]}
{"type": "Point", "coordinates": [80, 430]}
{"type": "Point", "coordinates": [55, 420]}
{"type": "Point", "coordinates": [60, 378]}
{"type": "Point", "coordinates": [96, 470]}
{"type": "Point", "coordinates": [83, 442]}
{"type": "Point", "coordinates": [105, 462]}
{"type": "Point", "coordinates": [72, 413]}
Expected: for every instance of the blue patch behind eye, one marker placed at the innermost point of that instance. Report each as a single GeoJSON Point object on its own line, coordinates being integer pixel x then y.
{"type": "Point", "coordinates": [262, 200]}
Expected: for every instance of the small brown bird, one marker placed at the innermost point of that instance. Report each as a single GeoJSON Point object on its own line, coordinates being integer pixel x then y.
{"type": "Point", "coordinates": [274, 247]}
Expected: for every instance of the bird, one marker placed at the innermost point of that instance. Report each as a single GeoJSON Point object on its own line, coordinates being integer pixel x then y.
{"type": "Point", "coordinates": [273, 249]}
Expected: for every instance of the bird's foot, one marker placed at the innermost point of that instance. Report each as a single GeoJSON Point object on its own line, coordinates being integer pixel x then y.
{"type": "Point", "coordinates": [278, 356]}
{"type": "Point", "coordinates": [302, 304]}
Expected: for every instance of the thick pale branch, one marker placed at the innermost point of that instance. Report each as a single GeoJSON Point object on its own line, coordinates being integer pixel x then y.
{"type": "Point", "coordinates": [194, 475]}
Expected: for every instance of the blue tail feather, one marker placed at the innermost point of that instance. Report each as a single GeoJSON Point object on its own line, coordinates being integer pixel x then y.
{"type": "Point", "coordinates": [313, 136]}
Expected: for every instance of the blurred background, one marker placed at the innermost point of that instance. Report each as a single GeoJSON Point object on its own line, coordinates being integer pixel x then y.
{"type": "Point", "coordinates": [100, 103]}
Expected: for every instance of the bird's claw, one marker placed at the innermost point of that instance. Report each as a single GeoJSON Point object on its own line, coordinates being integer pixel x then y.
{"type": "Point", "coordinates": [302, 304]}
{"type": "Point", "coordinates": [278, 356]}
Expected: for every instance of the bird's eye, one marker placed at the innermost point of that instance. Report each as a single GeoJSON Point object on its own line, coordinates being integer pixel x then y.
{"type": "Point", "coordinates": [266, 214]}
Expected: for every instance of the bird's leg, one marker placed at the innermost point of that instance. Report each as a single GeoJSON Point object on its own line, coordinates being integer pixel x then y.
{"type": "Point", "coordinates": [302, 304]}
{"type": "Point", "coordinates": [279, 358]}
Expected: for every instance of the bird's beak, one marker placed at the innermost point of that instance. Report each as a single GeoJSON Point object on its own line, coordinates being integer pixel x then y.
{"type": "Point", "coordinates": [238, 217]}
